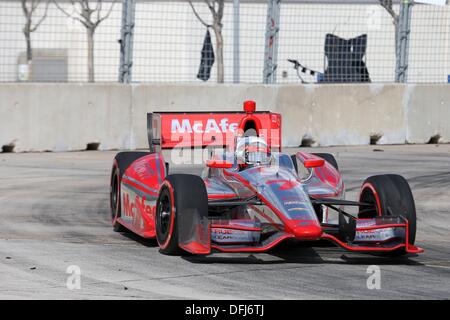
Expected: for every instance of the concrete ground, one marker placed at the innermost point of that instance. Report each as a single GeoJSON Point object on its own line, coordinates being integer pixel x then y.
{"type": "Point", "coordinates": [54, 213]}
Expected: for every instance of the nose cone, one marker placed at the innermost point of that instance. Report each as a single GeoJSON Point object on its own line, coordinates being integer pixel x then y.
{"type": "Point", "coordinates": [306, 230]}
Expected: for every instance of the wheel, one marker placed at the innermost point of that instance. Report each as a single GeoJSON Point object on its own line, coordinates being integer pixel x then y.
{"type": "Point", "coordinates": [121, 162]}
{"type": "Point", "coordinates": [328, 157]}
{"type": "Point", "coordinates": [390, 196]}
{"type": "Point", "coordinates": [115, 199]}
{"type": "Point", "coordinates": [179, 194]}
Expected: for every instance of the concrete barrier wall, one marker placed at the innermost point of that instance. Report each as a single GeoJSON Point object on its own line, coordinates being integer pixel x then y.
{"type": "Point", "coordinates": [61, 117]}
{"type": "Point", "coordinates": [64, 117]}
{"type": "Point", "coordinates": [428, 112]}
{"type": "Point", "coordinates": [342, 114]}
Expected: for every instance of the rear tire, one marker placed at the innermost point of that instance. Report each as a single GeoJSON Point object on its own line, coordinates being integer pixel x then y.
{"type": "Point", "coordinates": [115, 201]}
{"type": "Point", "coordinates": [179, 192]}
{"type": "Point", "coordinates": [121, 162]}
{"type": "Point", "coordinates": [391, 196]}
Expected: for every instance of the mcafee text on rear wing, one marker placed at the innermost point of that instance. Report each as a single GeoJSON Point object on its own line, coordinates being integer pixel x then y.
{"type": "Point", "coordinates": [169, 130]}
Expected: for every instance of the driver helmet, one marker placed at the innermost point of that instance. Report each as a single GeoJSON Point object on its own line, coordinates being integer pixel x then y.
{"type": "Point", "coordinates": [252, 151]}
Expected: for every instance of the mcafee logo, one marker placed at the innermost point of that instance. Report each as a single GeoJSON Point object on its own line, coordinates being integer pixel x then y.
{"type": "Point", "coordinates": [211, 125]}
{"type": "Point", "coordinates": [138, 205]}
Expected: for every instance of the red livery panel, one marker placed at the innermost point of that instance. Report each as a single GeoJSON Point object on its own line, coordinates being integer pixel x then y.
{"type": "Point", "coordinates": [214, 129]}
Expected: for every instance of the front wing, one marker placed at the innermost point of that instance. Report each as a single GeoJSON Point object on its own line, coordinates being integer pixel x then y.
{"type": "Point", "coordinates": [199, 235]}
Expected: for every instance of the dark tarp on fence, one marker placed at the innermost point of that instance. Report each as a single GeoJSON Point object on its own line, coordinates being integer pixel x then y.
{"type": "Point", "coordinates": [346, 59]}
{"type": "Point", "coordinates": [207, 59]}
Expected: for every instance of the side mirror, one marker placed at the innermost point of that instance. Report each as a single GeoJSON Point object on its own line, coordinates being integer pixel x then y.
{"type": "Point", "coordinates": [221, 164]}
{"type": "Point", "coordinates": [314, 163]}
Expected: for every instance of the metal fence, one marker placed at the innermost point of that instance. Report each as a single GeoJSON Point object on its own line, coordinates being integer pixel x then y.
{"type": "Point", "coordinates": [59, 44]}
{"type": "Point", "coordinates": [162, 41]}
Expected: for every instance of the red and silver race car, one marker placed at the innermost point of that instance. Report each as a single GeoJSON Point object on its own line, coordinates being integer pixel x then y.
{"type": "Point", "coordinates": [251, 196]}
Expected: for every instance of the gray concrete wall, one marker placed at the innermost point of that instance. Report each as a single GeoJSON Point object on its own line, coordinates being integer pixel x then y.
{"type": "Point", "coordinates": [61, 117]}
{"type": "Point", "coordinates": [64, 117]}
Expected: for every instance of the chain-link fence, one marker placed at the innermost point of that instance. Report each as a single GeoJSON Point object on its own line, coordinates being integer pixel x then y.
{"type": "Point", "coordinates": [59, 42]}
{"type": "Point", "coordinates": [247, 41]}
{"type": "Point", "coordinates": [429, 48]}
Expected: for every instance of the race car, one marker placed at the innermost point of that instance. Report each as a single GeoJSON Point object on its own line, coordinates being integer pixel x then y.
{"type": "Point", "coordinates": [251, 196]}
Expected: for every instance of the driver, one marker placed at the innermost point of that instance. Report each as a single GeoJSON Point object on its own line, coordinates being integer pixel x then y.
{"type": "Point", "coordinates": [252, 151]}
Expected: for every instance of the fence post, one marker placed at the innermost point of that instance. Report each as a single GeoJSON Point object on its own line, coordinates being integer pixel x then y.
{"type": "Point", "coordinates": [401, 65]}
{"type": "Point", "coordinates": [236, 43]}
{"type": "Point", "coordinates": [126, 40]}
{"type": "Point", "coordinates": [271, 41]}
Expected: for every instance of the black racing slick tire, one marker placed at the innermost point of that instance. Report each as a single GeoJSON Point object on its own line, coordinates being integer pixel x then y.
{"type": "Point", "coordinates": [121, 162]}
{"type": "Point", "coordinates": [328, 157]}
{"type": "Point", "coordinates": [179, 194]}
{"type": "Point", "coordinates": [391, 196]}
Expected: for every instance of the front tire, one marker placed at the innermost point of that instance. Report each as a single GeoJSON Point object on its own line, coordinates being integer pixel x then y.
{"type": "Point", "coordinates": [390, 196]}
{"type": "Point", "coordinates": [179, 193]}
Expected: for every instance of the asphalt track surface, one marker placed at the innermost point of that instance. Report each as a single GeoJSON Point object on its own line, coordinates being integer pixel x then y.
{"type": "Point", "coordinates": [54, 212]}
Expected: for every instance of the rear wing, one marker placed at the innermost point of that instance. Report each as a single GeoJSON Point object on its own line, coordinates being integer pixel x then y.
{"type": "Point", "coordinates": [168, 130]}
